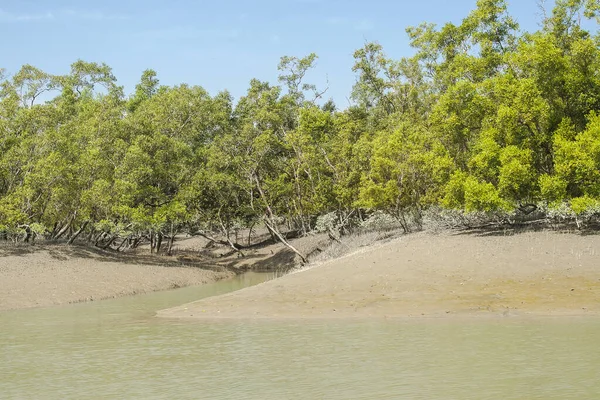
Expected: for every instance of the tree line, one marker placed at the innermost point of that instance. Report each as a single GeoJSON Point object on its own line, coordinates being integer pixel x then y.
{"type": "Point", "coordinates": [482, 118]}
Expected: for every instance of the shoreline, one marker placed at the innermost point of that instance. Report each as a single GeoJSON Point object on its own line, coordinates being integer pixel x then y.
{"type": "Point", "coordinates": [46, 274]}
{"type": "Point", "coordinates": [52, 275]}
{"type": "Point", "coordinates": [427, 276]}
{"type": "Point", "coordinates": [421, 276]}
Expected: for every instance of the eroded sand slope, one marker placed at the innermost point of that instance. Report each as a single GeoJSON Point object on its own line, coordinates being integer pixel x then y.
{"type": "Point", "coordinates": [539, 273]}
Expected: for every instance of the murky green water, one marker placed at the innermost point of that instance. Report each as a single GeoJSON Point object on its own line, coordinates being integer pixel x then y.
{"type": "Point", "coordinates": [116, 350]}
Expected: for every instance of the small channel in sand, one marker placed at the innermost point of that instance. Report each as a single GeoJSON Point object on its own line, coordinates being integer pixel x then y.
{"type": "Point", "coordinates": [116, 349]}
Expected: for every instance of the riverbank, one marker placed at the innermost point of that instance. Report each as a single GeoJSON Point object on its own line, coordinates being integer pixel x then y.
{"type": "Point", "coordinates": [49, 275]}
{"type": "Point", "coordinates": [425, 275]}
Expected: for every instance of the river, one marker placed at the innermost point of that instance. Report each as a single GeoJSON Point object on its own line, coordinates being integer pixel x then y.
{"type": "Point", "coordinates": [117, 349]}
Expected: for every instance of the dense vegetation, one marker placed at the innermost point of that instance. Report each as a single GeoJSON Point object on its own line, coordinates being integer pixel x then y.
{"type": "Point", "coordinates": [483, 118]}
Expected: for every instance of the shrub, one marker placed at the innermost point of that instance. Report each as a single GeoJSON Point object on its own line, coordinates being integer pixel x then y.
{"type": "Point", "coordinates": [327, 223]}
{"type": "Point", "coordinates": [380, 221]}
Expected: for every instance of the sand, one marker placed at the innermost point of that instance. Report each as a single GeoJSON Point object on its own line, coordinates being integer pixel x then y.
{"type": "Point", "coordinates": [40, 276]}
{"type": "Point", "coordinates": [46, 274]}
{"type": "Point", "coordinates": [425, 275]}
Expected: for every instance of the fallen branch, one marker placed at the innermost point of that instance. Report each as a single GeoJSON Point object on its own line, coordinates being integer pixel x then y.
{"type": "Point", "coordinates": [282, 240]}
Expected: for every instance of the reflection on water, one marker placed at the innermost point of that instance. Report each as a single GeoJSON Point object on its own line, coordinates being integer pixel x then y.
{"type": "Point", "coordinates": [116, 349]}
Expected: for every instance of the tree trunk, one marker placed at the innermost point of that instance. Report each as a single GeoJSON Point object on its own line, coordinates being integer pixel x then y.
{"type": "Point", "coordinates": [72, 239]}
{"type": "Point", "coordinates": [54, 228]}
{"type": "Point", "coordinates": [110, 242]}
{"type": "Point", "coordinates": [136, 242]}
{"type": "Point", "coordinates": [171, 239]}
{"type": "Point", "coordinates": [64, 229]}
{"type": "Point", "coordinates": [226, 234]}
{"type": "Point", "coordinates": [282, 240]}
{"type": "Point", "coordinates": [269, 221]}
{"type": "Point", "coordinates": [361, 216]}
{"type": "Point", "coordinates": [159, 239]}
{"type": "Point", "coordinates": [100, 236]}
{"type": "Point", "coordinates": [27, 232]}
{"type": "Point", "coordinates": [90, 235]}
{"type": "Point", "coordinates": [273, 237]}
{"type": "Point", "coordinates": [250, 234]}
{"type": "Point", "coordinates": [122, 243]}
{"type": "Point", "coordinates": [170, 246]}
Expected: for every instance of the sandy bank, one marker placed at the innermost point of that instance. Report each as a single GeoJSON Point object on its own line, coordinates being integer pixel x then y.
{"type": "Point", "coordinates": [38, 276]}
{"type": "Point", "coordinates": [538, 273]}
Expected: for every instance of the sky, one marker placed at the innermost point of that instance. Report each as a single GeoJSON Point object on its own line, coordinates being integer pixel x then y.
{"type": "Point", "coordinates": [219, 44]}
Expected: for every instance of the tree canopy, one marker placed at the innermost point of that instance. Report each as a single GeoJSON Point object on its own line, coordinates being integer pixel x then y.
{"type": "Point", "coordinates": [483, 117]}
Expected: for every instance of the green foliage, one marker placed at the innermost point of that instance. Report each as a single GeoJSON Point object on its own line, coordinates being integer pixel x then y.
{"type": "Point", "coordinates": [585, 204]}
{"type": "Point", "coordinates": [577, 158]}
{"type": "Point", "coordinates": [464, 191]}
{"type": "Point", "coordinates": [516, 177]}
{"type": "Point", "coordinates": [482, 196]}
{"type": "Point", "coordinates": [552, 188]}
{"type": "Point", "coordinates": [482, 119]}
{"type": "Point", "coordinates": [407, 170]}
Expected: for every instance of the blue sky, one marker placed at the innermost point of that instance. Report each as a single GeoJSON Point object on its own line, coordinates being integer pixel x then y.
{"type": "Point", "coordinates": [218, 44]}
